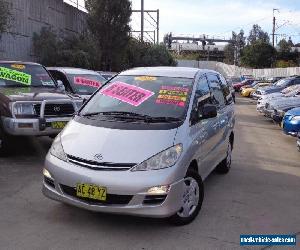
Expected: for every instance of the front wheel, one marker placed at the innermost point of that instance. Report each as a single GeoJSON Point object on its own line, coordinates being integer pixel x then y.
{"type": "Point", "coordinates": [192, 199]}
{"type": "Point", "coordinates": [4, 145]}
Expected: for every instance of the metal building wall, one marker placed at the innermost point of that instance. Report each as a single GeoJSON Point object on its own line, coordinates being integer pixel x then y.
{"type": "Point", "coordinates": [30, 16]}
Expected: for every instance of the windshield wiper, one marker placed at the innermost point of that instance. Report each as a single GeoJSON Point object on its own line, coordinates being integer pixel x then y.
{"type": "Point", "coordinates": [134, 116]}
{"type": "Point", "coordinates": [165, 119]}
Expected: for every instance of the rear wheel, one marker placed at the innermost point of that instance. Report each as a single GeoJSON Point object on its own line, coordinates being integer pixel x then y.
{"type": "Point", "coordinates": [192, 199]}
{"type": "Point", "coordinates": [225, 165]}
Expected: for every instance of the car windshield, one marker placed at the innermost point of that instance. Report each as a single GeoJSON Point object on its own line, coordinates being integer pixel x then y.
{"type": "Point", "coordinates": [86, 83]}
{"type": "Point", "coordinates": [24, 75]}
{"type": "Point", "coordinates": [281, 83]}
{"type": "Point", "coordinates": [154, 97]}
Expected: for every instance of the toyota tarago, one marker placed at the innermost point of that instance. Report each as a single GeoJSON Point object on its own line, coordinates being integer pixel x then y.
{"type": "Point", "coordinates": [144, 143]}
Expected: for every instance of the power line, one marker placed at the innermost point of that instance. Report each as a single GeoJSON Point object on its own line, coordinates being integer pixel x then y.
{"type": "Point", "coordinates": [244, 25]}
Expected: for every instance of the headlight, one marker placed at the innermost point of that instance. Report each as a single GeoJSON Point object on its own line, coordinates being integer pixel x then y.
{"type": "Point", "coordinates": [57, 149]}
{"type": "Point", "coordinates": [165, 159]}
{"type": "Point", "coordinates": [23, 109]}
{"type": "Point", "coordinates": [296, 118]}
{"type": "Point", "coordinates": [281, 113]}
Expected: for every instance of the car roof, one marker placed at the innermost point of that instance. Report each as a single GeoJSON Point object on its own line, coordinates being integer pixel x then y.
{"type": "Point", "coordinates": [73, 71]}
{"type": "Point", "coordinates": [20, 62]}
{"type": "Point", "coordinates": [180, 72]}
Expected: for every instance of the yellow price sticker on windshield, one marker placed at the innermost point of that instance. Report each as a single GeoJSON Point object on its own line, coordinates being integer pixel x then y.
{"type": "Point", "coordinates": [145, 78]}
{"type": "Point", "coordinates": [18, 66]}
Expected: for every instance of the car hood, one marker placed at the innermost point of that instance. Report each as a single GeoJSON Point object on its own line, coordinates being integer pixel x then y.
{"type": "Point", "coordinates": [294, 112]}
{"type": "Point", "coordinates": [115, 145]}
{"type": "Point", "coordinates": [32, 94]}
{"type": "Point", "coordinates": [271, 89]}
{"type": "Point", "coordinates": [285, 102]}
{"type": "Point", "coordinates": [272, 96]}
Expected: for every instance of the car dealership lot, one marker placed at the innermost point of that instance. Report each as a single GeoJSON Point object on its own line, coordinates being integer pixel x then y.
{"type": "Point", "coordinates": [260, 195]}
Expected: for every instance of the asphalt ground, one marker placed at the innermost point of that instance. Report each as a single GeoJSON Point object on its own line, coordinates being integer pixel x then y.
{"type": "Point", "coordinates": [260, 195]}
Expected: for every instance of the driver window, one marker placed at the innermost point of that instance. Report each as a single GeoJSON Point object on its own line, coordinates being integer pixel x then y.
{"type": "Point", "coordinates": [202, 96]}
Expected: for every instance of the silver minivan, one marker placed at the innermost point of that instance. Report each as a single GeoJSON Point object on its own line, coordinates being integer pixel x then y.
{"type": "Point", "coordinates": [144, 143]}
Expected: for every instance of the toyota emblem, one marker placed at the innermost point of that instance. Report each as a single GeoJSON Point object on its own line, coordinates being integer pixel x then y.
{"type": "Point", "coordinates": [98, 157]}
{"type": "Point", "coordinates": [56, 108]}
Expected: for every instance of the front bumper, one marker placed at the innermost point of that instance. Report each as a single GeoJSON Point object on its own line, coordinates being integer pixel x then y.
{"type": "Point", "coordinates": [277, 117]}
{"type": "Point", "coordinates": [268, 113]}
{"type": "Point", "coordinates": [31, 127]}
{"type": "Point", "coordinates": [134, 184]}
{"type": "Point", "coordinates": [256, 96]}
{"type": "Point", "coordinates": [291, 128]}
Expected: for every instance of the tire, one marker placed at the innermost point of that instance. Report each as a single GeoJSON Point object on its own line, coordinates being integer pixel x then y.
{"type": "Point", "coordinates": [225, 165]}
{"type": "Point", "coordinates": [4, 143]}
{"type": "Point", "coordinates": [192, 200]}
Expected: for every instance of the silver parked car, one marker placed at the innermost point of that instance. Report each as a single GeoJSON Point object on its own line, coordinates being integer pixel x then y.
{"type": "Point", "coordinates": [144, 143]}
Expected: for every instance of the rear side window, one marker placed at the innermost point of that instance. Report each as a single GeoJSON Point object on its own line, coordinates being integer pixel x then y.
{"type": "Point", "coordinates": [225, 89]}
{"type": "Point", "coordinates": [202, 94]}
{"type": "Point", "coordinates": [217, 95]}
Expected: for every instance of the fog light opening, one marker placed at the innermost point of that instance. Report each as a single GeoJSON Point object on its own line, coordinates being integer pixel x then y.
{"type": "Point", "coordinates": [159, 190]}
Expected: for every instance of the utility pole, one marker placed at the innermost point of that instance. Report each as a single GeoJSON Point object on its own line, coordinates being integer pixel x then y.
{"type": "Point", "coordinates": [274, 27]}
{"type": "Point", "coordinates": [142, 20]}
{"type": "Point", "coordinates": [157, 22]}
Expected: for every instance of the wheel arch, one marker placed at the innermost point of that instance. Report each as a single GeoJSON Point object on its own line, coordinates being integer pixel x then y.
{"type": "Point", "coordinates": [231, 139]}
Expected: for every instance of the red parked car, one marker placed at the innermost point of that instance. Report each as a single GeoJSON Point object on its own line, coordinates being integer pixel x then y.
{"type": "Point", "coordinates": [237, 86]}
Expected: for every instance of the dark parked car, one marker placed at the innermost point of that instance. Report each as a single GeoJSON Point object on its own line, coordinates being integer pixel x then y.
{"type": "Point", "coordinates": [78, 81]}
{"type": "Point", "coordinates": [31, 102]}
{"type": "Point", "coordinates": [278, 86]}
{"type": "Point", "coordinates": [237, 86]}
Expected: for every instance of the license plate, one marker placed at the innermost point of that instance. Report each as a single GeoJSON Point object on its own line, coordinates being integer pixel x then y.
{"type": "Point", "coordinates": [91, 191]}
{"type": "Point", "coordinates": [58, 125]}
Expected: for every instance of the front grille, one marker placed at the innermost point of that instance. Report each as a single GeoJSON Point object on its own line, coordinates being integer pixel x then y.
{"type": "Point", "coordinates": [154, 199]}
{"type": "Point", "coordinates": [49, 182]}
{"type": "Point", "coordinates": [101, 166]}
{"type": "Point", "coordinates": [111, 199]}
{"type": "Point", "coordinates": [66, 109]}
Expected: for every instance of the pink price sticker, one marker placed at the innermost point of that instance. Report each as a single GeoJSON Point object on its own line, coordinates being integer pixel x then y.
{"type": "Point", "coordinates": [86, 82]}
{"type": "Point", "coordinates": [127, 93]}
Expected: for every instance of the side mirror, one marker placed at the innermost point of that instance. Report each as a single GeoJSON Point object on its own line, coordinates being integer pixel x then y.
{"type": "Point", "coordinates": [61, 85]}
{"type": "Point", "coordinates": [209, 111]}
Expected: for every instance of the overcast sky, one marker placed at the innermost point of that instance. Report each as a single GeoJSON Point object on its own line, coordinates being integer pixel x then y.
{"type": "Point", "coordinates": [220, 17]}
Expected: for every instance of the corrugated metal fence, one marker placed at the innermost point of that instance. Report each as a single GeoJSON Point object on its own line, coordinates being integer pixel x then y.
{"type": "Point", "coordinates": [231, 70]}
{"type": "Point", "coordinates": [30, 16]}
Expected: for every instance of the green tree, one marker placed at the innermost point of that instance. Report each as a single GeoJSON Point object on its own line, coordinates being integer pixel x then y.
{"type": "Point", "coordinates": [108, 22]}
{"type": "Point", "coordinates": [233, 50]}
{"type": "Point", "coordinates": [73, 51]}
{"type": "Point", "coordinates": [5, 15]}
{"type": "Point", "coordinates": [145, 54]}
{"type": "Point", "coordinates": [284, 46]}
{"type": "Point", "coordinates": [256, 33]}
{"type": "Point", "coordinates": [46, 46]}
{"type": "Point", "coordinates": [259, 54]}
{"type": "Point", "coordinates": [285, 56]}
{"type": "Point", "coordinates": [229, 53]}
